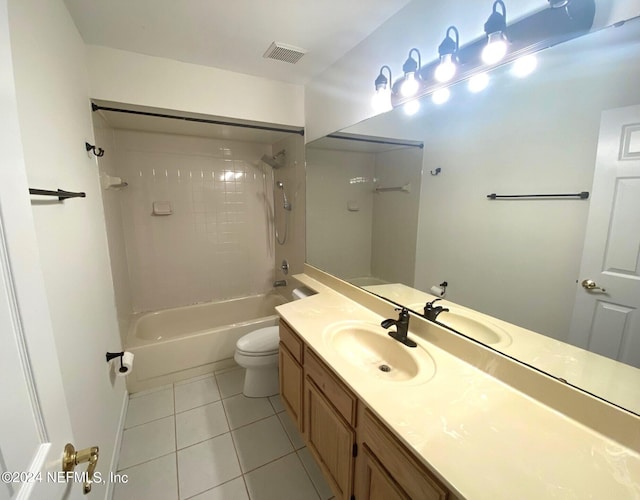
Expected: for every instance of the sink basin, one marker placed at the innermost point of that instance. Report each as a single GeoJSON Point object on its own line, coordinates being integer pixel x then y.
{"type": "Point", "coordinates": [368, 347]}
{"type": "Point", "coordinates": [483, 331]}
{"type": "Point", "coordinates": [477, 328]}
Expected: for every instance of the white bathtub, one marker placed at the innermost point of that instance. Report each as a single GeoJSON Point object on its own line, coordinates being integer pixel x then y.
{"type": "Point", "coordinates": [175, 344]}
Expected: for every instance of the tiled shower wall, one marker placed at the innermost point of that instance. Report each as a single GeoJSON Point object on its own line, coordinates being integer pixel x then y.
{"type": "Point", "coordinates": [218, 241]}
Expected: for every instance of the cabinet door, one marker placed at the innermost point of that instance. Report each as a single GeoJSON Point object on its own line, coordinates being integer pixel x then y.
{"type": "Point", "coordinates": [291, 380]}
{"type": "Point", "coordinates": [396, 462]}
{"type": "Point", "coordinates": [330, 439]}
{"type": "Point", "coordinates": [374, 482]}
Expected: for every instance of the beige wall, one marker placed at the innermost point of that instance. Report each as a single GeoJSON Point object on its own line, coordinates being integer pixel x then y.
{"type": "Point", "coordinates": [108, 166]}
{"type": "Point", "coordinates": [395, 215]}
{"type": "Point", "coordinates": [125, 77]}
{"type": "Point", "coordinates": [378, 240]}
{"type": "Point", "coordinates": [55, 121]}
{"type": "Point", "coordinates": [339, 240]}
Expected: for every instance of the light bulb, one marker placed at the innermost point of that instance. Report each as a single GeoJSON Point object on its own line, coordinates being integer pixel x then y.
{"type": "Point", "coordinates": [381, 101]}
{"type": "Point", "coordinates": [411, 107]}
{"type": "Point", "coordinates": [446, 70]}
{"type": "Point", "coordinates": [441, 96]}
{"type": "Point", "coordinates": [524, 66]}
{"type": "Point", "coordinates": [495, 49]}
{"type": "Point", "coordinates": [410, 85]}
{"type": "Point", "coordinates": [477, 83]}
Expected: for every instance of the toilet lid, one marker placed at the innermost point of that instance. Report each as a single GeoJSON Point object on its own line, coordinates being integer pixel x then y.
{"type": "Point", "coordinates": [262, 341]}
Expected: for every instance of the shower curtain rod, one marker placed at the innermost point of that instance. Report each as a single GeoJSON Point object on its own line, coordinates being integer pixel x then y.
{"type": "Point", "coordinates": [377, 141]}
{"type": "Point", "coordinates": [96, 107]}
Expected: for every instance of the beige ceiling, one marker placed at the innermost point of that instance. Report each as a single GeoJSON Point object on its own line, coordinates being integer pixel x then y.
{"type": "Point", "coordinates": [234, 34]}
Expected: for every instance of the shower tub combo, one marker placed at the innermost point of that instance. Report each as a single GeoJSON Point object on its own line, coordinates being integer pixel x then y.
{"type": "Point", "coordinates": [183, 342]}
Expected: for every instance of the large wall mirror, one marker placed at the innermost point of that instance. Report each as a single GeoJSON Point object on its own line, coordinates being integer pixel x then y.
{"type": "Point", "coordinates": [398, 204]}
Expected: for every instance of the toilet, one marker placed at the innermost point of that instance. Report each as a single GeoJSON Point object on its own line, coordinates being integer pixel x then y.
{"type": "Point", "coordinates": [257, 352]}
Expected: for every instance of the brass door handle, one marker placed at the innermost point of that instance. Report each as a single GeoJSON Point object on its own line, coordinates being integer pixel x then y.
{"type": "Point", "coordinates": [71, 458]}
{"type": "Point", "coordinates": [591, 285]}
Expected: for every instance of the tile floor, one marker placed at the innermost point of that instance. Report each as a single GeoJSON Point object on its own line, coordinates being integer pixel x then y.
{"type": "Point", "coordinates": [201, 439]}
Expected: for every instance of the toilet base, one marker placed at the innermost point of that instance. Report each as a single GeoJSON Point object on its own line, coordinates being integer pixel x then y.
{"type": "Point", "coordinates": [261, 382]}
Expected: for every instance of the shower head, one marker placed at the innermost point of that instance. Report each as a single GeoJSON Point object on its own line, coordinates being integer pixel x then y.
{"type": "Point", "coordinates": [275, 161]}
{"type": "Point", "coordinates": [270, 160]}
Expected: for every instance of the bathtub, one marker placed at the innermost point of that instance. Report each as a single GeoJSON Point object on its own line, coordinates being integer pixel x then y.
{"type": "Point", "coordinates": [183, 342]}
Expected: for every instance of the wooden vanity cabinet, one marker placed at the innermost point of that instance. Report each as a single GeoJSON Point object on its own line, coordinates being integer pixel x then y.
{"type": "Point", "coordinates": [356, 452]}
{"type": "Point", "coordinates": [291, 375]}
{"type": "Point", "coordinates": [373, 481]}
{"type": "Point", "coordinates": [386, 469]}
{"type": "Point", "coordinates": [329, 421]}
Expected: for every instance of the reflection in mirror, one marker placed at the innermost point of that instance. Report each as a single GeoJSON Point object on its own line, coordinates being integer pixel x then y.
{"type": "Point", "coordinates": [507, 261]}
{"type": "Point", "coordinates": [363, 196]}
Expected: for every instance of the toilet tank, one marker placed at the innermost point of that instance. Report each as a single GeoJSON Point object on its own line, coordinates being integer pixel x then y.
{"type": "Point", "coordinates": [302, 292]}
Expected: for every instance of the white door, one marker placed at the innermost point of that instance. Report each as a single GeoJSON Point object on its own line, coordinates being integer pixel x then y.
{"type": "Point", "coordinates": [608, 322]}
{"type": "Point", "coordinates": [34, 423]}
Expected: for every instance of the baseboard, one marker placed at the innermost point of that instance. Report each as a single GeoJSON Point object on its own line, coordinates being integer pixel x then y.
{"type": "Point", "coordinates": [116, 446]}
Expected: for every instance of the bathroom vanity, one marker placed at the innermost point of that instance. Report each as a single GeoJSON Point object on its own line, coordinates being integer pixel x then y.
{"type": "Point", "coordinates": [338, 428]}
{"type": "Point", "coordinates": [448, 419]}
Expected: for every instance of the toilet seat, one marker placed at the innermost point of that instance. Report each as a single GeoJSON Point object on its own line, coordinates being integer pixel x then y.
{"type": "Point", "coordinates": [262, 342]}
{"type": "Point", "coordinates": [256, 354]}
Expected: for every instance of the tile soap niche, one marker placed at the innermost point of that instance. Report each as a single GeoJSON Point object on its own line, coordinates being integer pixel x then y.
{"type": "Point", "coordinates": [162, 208]}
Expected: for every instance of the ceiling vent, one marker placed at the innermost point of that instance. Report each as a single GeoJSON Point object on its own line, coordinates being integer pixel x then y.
{"type": "Point", "coordinates": [283, 52]}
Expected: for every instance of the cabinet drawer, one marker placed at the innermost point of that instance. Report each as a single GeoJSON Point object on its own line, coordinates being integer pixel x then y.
{"type": "Point", "coordinates": [341, 397]}
{"type": "Point", "coordinates": [415, 480]}
{"type": "Point", "coordinates": [291, 340]}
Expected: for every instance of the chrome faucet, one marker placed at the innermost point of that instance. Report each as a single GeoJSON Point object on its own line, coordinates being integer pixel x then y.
{"type": "Point", "coordinates": [431, 312]}
{"type": "Point", "coordinates": [278, 283]}
{"type": "Point", "coordinates": [402, 327]}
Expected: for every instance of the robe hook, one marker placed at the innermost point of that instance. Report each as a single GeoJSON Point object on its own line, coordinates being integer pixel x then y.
{"type": "Point", "coordinates": [99, 152]}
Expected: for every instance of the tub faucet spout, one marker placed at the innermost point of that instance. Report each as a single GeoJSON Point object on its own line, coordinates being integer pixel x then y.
{"type": "Point", "coordinates": [278, 283]}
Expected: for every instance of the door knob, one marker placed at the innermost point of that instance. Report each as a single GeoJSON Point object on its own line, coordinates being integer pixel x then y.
{"type": "Point", "coordinates": [71, 458]}
{"type": "Point", "coordinates": [591, 285]}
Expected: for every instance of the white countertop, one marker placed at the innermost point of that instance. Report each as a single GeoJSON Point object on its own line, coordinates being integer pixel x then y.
{"type": "Point", "coordinates": [614, 381]}
{"type": "Point", "coordinates": [482, 437]}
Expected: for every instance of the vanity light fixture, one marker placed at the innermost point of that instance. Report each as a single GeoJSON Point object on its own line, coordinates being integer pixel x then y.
{"type": "Point", "coordinates": [410, 85]}
{"type": "Point", "coordinates": [524, 66]}
{"type": "Point", "coordinates": [477, 83]}
{"type": "Point", "coordinates": [448, 51]}
{"type": "Point", "coordinates": [495, 28]}
{"type": "Point", "coordinates": [562, 21]}
{"type": "Point", "coordinates": [381, 101]}
{"type": "Point", "coordinates": [441, 96]}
